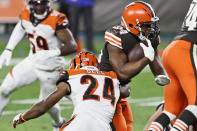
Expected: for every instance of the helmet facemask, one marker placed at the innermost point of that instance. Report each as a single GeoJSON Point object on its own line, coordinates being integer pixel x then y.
{"type": "Point", "coordinates": [39, 8]}
{"type": "Point", "coordinates": [148, 30]}
{"type": "Point", "coordinates": [140, 19]}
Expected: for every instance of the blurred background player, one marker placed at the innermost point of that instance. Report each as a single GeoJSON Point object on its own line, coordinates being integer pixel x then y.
{"type": "Point", "coordinates": [84, 9]}
{"type": "Point", "coordinates": [139, 23]}
{"type": "Point", "coordinates": [180, 95]}
{"type": "Point", "coordinates": [94, 95]}
{"type": "Point", "coordinates": [50, 40]}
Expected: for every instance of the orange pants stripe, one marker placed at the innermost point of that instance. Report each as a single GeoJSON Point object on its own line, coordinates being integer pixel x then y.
{"type": "Point", "coordinates": [179, 61]}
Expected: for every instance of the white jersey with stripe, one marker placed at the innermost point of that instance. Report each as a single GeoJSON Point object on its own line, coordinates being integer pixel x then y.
{"type": "Point", "coordinates": [42, 36]}
{"type": "Point", "coordinates": [93, 92]}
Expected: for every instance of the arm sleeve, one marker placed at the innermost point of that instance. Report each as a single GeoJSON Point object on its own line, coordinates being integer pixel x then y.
{"type": "Point", "coordinates": [64, 77]}
{"type": "Point", "coordinates": [16, 36]}
{"type": "Point", "coordinates": [62, 22]}
{"type": "Point", "coordinates": [113, 39]}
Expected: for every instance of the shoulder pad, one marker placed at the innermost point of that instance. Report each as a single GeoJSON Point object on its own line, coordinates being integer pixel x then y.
{"type": "Point", "coordinates": [112, 36]}
{"type": "Point", "coordinates": [25, 14]}
{"type": "Point", "coordinates": [62, 21]}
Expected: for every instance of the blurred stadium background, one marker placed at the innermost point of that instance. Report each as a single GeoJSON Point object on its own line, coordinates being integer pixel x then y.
{"type": "Point", "coordinates": [145, 93]}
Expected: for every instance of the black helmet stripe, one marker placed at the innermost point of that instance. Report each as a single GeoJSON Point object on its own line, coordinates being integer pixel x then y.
{"type": "Point", "coordinates": [74, 63]}
{"type": "Point", "coordinates": [86, 53]}
{"type": "Point", "coordinates": [80, 59]}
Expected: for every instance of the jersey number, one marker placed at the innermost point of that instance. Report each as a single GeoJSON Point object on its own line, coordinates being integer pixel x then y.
{"type": "Point", "coordinates": [191, 19]}
{"type": "Point", "coordinates": [108, 89]}
{"type": "Point", "coordinates": [40, 41]}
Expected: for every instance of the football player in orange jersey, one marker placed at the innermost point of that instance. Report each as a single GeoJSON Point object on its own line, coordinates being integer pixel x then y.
{"type": "Point", "coordinates": [94, 94]}
{"type": "Point", "coordinates": [50, 40]}
{"type": "Point", "coordinates": [139, 23]}
{"type": "Point", "coordinates": [180, 61]}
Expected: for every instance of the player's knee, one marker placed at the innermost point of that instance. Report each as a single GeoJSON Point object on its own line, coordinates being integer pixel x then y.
{"type": "Point", "coordinates": [4, 92]}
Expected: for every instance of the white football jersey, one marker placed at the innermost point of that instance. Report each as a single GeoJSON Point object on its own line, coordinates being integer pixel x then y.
{"type": "Point", "coordinates": [93, 92]}
{"type": "Point", "coordinates": [42, 35]}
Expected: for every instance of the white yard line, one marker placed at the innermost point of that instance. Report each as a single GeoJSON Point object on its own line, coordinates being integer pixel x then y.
{"type": "Point", "coordinates": [15, 61]}
{"type": "Point", "coordinates": [67, 104]}
{"type": "Point", "coordinates": [21, 111]}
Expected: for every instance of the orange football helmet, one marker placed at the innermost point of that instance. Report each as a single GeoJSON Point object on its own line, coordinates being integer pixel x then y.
{"type": "Point", "coordinates": [138, 15]}
{"type": "Point", "coordinates": [84, 58]}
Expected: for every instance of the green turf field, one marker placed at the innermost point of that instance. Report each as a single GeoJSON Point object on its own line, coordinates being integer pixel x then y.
{"type": "Point", "coordinates": [145, 95]}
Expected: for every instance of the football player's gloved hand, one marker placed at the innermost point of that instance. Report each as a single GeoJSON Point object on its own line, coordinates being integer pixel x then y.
{"type": "Point", "coordinates": [5, 57]}
{"type": "Point", "coordinates": [125, 90]}
{"type": "Point", "coordinates": [162, 80]}
{"type": "Point", "coordinates": [148, 50]}
{"type": "Point", "coordinates": [18, 119]}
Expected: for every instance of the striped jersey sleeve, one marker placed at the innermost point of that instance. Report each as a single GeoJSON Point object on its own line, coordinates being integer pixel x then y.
{"type": "Point", "coordinates": [113, 38]}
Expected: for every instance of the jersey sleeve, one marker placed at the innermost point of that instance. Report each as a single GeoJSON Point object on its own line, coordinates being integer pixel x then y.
{"type": "Point", "coordinates": [62, 22]}
{"type": "Point", "coordinates": [113, 38]}
{"type": "Point", "coordinates": [64, 77]}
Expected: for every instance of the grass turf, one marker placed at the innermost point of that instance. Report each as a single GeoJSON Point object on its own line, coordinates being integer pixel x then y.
{"type": "Point", "coordinates": [143, 88]}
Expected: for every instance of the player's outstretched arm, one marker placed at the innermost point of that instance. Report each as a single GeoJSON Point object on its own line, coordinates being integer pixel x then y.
{"type": "Point", "coordinates": [42, 106]}
{"type": "Point", "coordinates": [15, 38]}
{"type": "Point", "coordinates": [124, 69]}
{"type": "Point", "coordinates": [66, 37]}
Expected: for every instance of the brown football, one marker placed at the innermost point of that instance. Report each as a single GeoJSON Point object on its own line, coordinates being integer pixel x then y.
{"type": "Point", "coordinates": [136, 52]}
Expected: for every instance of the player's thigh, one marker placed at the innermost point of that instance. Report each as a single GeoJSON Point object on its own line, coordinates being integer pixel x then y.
{"type": "Point", "coordinates": [119, 121]}
{"type": "Point", "coordinates": [47, 82]}
{"type": "Point", "coordinates": [127, 113]}
{"type": "Point", "coordinates": [181, 59]}
{"type": "Point", "coordinates": [22, 74]}
{"type": "Point", "coordinates": [172, 59]}
{"type": "Point", "coordinates": [174, 97]}
{"type": "Point", "coordinates": [188, 75]}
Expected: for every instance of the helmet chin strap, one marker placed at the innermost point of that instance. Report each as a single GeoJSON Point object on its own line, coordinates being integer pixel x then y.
{"type": "Point", "coordinates": [40, 16]}
{"type": "Point", "coordinates": [141, 37]}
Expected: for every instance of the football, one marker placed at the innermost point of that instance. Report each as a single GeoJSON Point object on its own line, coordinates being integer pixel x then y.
{"type": "Point", "coordinates": [136, 52]}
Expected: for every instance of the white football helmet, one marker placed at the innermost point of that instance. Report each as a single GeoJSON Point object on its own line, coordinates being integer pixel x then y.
{"type": "Point", "coordinates": [39, 8]}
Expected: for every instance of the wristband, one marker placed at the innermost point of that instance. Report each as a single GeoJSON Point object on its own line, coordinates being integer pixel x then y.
{"type": "Point", "coordinates": [22, 118]}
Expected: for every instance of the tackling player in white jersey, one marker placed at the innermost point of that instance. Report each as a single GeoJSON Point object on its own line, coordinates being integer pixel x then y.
{"type": "Point", "coordinates": [50, 40]}
{"type": "Point", "coordinates": [94, 95]}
